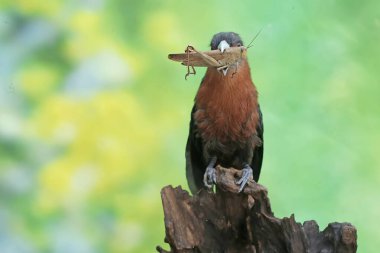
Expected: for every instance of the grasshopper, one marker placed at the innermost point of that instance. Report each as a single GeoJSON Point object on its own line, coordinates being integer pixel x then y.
{"type": "Point", "coordinates": [214, 58]}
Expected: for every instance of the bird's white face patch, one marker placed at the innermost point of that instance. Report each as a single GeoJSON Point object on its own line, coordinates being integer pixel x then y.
{"type": "Point", "coordinates": [223, 45]}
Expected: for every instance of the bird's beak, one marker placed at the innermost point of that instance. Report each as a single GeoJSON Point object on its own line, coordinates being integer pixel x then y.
{"type": "Point", "coordinates": [223, 45]}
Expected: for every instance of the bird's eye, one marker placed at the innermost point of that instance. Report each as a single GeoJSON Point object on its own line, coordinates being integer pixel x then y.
{"type": "Point", "coordinates": [238, 44]}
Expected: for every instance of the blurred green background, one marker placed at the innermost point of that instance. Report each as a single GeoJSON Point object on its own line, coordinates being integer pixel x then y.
{"type": "Point", "coordinates": [94, 118]}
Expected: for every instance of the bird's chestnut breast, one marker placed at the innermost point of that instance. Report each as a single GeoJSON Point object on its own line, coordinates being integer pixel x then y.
{"type": "Point", "coordinates": [226, 106]}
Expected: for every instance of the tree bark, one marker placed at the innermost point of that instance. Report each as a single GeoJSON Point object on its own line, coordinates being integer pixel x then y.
{"type": "Point", "coordinates": [229, 222]}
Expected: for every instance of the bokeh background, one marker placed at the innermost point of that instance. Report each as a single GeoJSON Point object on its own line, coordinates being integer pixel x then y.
{"type": "Point", "coordinates": [94, 117]}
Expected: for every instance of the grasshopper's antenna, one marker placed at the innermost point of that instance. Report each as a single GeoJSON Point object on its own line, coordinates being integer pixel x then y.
{"type": "Point", "coordinates": [257, 34]}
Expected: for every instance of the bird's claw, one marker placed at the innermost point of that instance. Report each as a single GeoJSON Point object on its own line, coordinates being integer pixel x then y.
{"type": "Point", "coordinates": [209, 177]}
{"type": "Point", "coordinates": [247, 174]}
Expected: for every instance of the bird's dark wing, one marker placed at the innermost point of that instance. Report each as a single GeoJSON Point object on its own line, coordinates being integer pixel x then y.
{"type": "Point", "coordinates": [195, 164]}
{"type": "Point", "coordinates": [257, 159]}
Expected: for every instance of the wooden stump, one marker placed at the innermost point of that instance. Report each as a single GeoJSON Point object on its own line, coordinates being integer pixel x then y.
{"type": "Point", "coordinates": [229, 222]}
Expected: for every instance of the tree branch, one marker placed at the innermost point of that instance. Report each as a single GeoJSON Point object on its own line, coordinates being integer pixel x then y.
{"type": "Point", "coordinates": [229, 222]}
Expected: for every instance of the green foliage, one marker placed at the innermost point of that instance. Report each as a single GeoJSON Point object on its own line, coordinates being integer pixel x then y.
{"type": "Point", "coordinates": [94, 118]}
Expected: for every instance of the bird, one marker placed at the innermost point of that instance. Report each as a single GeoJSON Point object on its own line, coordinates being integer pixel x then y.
{"type": "Point", "coordinates": [226, 125]}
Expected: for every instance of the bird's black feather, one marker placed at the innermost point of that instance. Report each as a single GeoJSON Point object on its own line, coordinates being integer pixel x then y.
{"type": "Point", "coordinates": [257, 159]}
{"type": "Point", "coordinates": [195, 163]}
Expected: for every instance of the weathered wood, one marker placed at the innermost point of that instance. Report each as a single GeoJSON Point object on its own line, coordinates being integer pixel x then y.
{"type": "Point", "coordinates": [229, 222]}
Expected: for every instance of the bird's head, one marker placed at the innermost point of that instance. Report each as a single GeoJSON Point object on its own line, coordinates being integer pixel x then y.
{"type": "Point", "coordinates": [225, 40]}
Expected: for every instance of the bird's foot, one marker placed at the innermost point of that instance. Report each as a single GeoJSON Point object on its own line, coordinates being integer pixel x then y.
{"type": "Point", "coordinates": [247, 174]}
{"type": "Point", "coordinates": [209, 178]}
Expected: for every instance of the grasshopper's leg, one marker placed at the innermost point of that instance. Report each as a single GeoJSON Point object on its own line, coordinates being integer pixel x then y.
{"type": "Point", "coordinates": [224, 69]}
{"type": "Point", "coordinates": [192, 72]}
{"type": "Point", "coordinates": [188, 50]}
